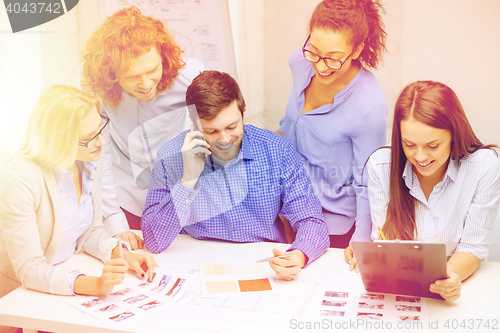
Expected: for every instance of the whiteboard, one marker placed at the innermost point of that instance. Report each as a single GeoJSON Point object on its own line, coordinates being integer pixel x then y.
{"type": "Point", "coordinates": [201, 28]}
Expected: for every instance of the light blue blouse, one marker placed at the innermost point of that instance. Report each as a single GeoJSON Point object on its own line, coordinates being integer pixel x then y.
{"type": "Point", "coordinates": [461, 209]}
{"type": "Point", "coordinates": [334, 141]}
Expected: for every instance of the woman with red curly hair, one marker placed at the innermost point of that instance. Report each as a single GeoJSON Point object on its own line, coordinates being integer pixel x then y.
{"type": "Point", "coordinates": [133, 63]}
{"type": "Point", "coordinates": [336, 114]}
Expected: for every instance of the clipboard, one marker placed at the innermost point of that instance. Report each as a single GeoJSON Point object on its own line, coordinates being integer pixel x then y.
{"type": "Point", "coordinates": [400, 267]}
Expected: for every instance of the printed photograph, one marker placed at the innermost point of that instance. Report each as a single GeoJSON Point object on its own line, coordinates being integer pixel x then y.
{"type": "Point", "coordinates": [122, 292]}
{"type": "Point", "coordinates": [331, 313]}
{"type": "Point", "coordinates": [135, 299]}
{"type": "Point", "coordinates": [176, 288]}
{"type": "Point", "coordinates": [375, 259]}
{"type": "Point", "coordinates": [146, 284]}
{"type": "Point", "coordinates": [411, 264]}
{"type": "Point", "coordinates": [122, 316]}
{"type": "Point", "coordinates": [408, 286]}
{"type": "Point", "coordinates": [150, 305]}
{"type": "Point", "coordinates": [162, 284]}
{"type": "Point", "coordinates": [338, 294]}
{"type": "Point", "coordinates": [371, 306]}
{"type": "Point", "coordinates": [369, 315]}
{"type": "Point", "coordinates": [372, 296]}
{"type": "Point", "coordinates": [109, 308]}
{"type": "Point", "coordinates": [409, 299]}
{"type": "Point", "coordinates": [93, 302]}
{"type": "Point", "coordinates": [333, 303]}
{"type": "Point", "coordinates": [408, 318]}
{"type": "Point", "coordinates": [375, 281]}
{"type": "Point", "coordinates": [402, 307]}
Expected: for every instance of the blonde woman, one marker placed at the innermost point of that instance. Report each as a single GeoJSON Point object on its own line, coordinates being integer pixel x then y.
{"type": "Point", "coordinates": [50, 202]}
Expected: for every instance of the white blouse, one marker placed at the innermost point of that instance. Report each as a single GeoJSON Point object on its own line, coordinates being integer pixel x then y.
{"type": "Point", "coordinates": [461, 209]}
{"type": "Point", "coordinates": [77, 216]}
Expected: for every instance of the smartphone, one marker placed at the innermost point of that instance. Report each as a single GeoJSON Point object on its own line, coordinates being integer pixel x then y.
{"type": "Point", "coordinates": [193, 113]}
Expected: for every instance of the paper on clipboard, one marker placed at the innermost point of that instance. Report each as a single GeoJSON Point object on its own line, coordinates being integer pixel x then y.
{"type": "Point", "coordinates": [400, 267]}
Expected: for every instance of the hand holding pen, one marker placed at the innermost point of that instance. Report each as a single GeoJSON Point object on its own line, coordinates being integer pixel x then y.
{"type": "Point", "coordinates": [287, 264]}
{"type": "Point", "coordinates": [138, 262]}
{"type": "Point", "coordinates": [113, 273]}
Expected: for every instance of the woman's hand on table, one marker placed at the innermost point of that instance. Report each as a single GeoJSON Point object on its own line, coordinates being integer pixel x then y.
{"type": "Point", "coordinates": [351, 259]}
{"type": "Point", "coordinates": [141, 263]}
{"type": "Point", "coordinates": [448, 288]}
{"type": "Point", "coordinates": [130, 237]}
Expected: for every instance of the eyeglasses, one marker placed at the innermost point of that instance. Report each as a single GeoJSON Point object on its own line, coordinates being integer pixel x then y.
{"type": "Point", "coordinates": [86, 143]}
{"type": "Point", "coordinates": [315, 58]}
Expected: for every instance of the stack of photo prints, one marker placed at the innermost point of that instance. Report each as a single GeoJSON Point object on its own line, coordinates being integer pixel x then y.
{"type": "Point", "coordinates": [372, 306]}
{"type": "Point", "coordinates": [134, 298]}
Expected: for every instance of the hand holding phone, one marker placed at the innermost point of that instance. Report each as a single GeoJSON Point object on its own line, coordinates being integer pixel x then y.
{"type": "Point", "coordinates": [195, 119]}
{"type": "Point", "coordinates": [193, 151]}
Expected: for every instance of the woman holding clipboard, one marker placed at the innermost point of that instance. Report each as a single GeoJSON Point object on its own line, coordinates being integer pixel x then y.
{"type": "Point", "coordinates": [336, 113]}
{"type": "Point", "coordinates": [437, 183]}
{"type": "Point", "coordinates": [50, 202]}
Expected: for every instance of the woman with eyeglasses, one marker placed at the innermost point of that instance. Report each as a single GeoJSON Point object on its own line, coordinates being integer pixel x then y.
{"type": "Point", "coordinates": [336, 113]}
{"type": "Point", "coordinates": [50, 202]}
{"type": "Point", "coordinates": [437, 183]}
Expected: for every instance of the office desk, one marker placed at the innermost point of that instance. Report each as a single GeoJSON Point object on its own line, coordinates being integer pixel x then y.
{"type": "Point", "coordinates": [33, 310]}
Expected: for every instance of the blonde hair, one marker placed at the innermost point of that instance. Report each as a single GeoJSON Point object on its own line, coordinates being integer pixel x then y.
{"type": "Point", "coordinates": [53, 129]}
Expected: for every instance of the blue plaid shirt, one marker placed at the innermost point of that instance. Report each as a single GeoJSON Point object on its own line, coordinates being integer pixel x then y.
{"type": "Point", "coordinates": [239, 202]}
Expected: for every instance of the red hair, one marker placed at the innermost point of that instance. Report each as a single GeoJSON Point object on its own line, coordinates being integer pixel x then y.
{"type": "Point", "coordinates": [434, 104]}
{"type": "Point", "coordinates": [123, 36]}
{"type": "Point", "coordinates": [362, 22]}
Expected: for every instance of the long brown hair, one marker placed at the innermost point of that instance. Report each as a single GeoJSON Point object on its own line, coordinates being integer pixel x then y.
{"type": "Point", "coordinates": [434, 104]}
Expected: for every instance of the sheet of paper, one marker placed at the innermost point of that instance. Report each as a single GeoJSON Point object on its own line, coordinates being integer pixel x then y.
{"type": "Point", "coordinates": [341, 296]}
{"type": "Point", "coordinates": [230, 279]}
{"type": "Point", "coordinates": [301, 299]}
{"type": "Point", "coordinates": [249, 312]}
{"type": "Point", "coordinates": [131, 300]}
{"type": "Point", "coordinates": [347, 305]}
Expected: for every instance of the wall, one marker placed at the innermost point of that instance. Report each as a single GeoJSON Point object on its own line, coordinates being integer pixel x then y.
{"type": "Point", "coordinates": [457, 42]}
{"type": "Point", "coordinates": [250, 52]}
{"type": "Point", "coordinates": [453, 41]}
{"type": "Point", "coordinates": [21, 80]}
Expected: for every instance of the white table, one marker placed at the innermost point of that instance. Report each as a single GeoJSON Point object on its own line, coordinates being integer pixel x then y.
{"type": "Point", "coordinates": [33, 310]}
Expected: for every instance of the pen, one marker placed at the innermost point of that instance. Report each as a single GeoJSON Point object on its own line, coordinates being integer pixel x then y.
{"type": "Point", "coordinates": [120, 248]}
{"type": "Point", "coordinates": [286, 255]}
{"type": "Point", "coordinates": [381, 233]}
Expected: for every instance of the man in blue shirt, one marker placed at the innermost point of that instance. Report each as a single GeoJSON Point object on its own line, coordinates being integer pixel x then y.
{"type": "Point", "coordinates": [231, 181]}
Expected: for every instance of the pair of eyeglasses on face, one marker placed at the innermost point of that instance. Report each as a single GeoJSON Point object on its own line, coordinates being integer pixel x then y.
{"type": "Point", "coordinates": [86, 143]}
{"type": "Point", "coordinates": [329, 62]}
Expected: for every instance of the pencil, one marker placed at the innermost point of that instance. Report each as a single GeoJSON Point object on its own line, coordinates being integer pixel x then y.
{"type": "Point", "coordinates": [285, 255]}
{"type": "Point", "coordinates": [120, 248]}
{"type": "Point", "coordinates": [381, 233]}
